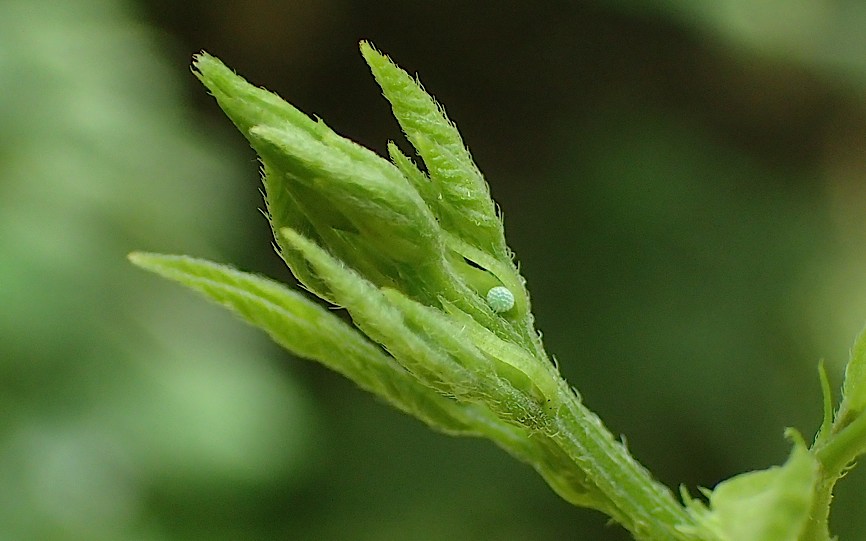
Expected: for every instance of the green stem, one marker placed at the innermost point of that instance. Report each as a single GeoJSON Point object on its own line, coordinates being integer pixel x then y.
{"type": "Point", "coordinates": [835, 454]}
{"type": "Point", "coordinates": [817, 528]}
{"type": "Point", "coordinates": [843, 447]}
{"type": "Point", "coordinates": [648, 508]}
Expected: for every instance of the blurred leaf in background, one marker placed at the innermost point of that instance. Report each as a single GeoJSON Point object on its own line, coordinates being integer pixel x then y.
{"type": "Point", "coordinates": [823, 36]}
{"type": "Point", "coordinates": [119, 421]}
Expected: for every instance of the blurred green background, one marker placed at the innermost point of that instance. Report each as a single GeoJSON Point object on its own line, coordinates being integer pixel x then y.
{"type": "Point", "coordinates": [684, 183]}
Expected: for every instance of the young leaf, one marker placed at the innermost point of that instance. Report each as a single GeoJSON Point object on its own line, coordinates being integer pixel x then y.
{"type": "Point", "coordinates": [308, 330]}
{"type": "Point", "coordinates": [767, 505]}
{"type": "Point", "coordinates": [854, 388]}
{"type": "Point", "coordinates": [462, 198]}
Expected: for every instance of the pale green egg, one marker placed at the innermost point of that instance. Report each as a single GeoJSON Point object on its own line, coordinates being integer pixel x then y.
{"type": "Point", "coordinates": [500, 299]}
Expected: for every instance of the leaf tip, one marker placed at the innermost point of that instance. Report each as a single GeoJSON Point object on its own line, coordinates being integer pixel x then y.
{"type": "Point", "coordinates": [368, 51]}
{"type": "Point", "coordinates": [201, 62]}
{"type": "Point", "coordinates": [380, 64]}
{"type": "Point", "coordinates": [137, 258]}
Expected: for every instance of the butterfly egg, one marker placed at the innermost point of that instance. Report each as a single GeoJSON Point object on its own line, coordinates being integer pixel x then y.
{"type": "Point", "coordinates": [500, 299]}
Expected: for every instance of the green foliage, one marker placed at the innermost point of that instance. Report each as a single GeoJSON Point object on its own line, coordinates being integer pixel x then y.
{"type": "Point", "coordinates": [768, 505]}
{"type": "Point", "coordinates": [413, 256]}
{"type": "Point", "coordinates": [311, 331]}
{"type": "Point", "coordinates": [826, 36]}
{"type": "Point", "coordinates": [854, 389]}
{"type": "Point", "coordinates": [109, 416]}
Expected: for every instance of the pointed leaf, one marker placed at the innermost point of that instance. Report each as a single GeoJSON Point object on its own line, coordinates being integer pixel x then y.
{"type": "Point", "coordinates": [767, 505]}
{"type": "Point", "coordinates": [461, 197]}
{"type": "Point", "coordinates": [854, 388]}
{"type": "Point", "coordinates": [311, 331]}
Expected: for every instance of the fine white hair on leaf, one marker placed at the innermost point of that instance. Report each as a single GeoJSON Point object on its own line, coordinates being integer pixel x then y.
{"type": "Point", "coordinates": [500, 299]}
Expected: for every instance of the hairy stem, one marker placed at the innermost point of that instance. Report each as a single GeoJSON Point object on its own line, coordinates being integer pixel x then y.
{"type": "Point", "coordinates": [648, 508]}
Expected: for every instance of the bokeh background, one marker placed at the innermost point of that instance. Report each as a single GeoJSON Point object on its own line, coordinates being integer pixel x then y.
{"type": "Point", "coordinates": [684, 182]}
